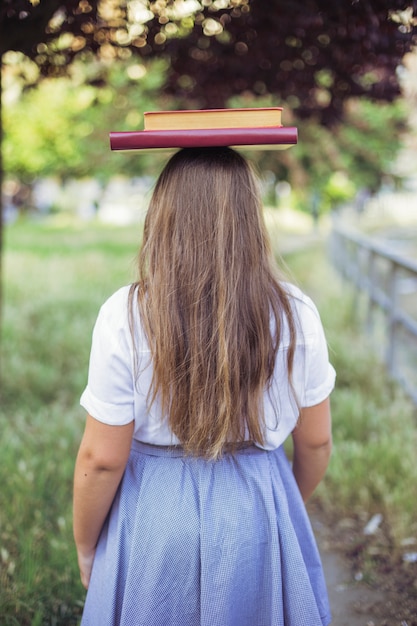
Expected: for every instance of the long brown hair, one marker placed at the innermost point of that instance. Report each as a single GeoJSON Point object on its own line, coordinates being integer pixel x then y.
{"type": "Point", "coordinates": [207, 290]}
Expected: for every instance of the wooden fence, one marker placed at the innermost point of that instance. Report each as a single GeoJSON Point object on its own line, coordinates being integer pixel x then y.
{"type": "Point", "coordinates": [388, 284]}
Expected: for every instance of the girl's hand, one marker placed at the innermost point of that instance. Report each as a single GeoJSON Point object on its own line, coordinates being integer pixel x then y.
{"type": "Point", "coordinates": [85, 563]}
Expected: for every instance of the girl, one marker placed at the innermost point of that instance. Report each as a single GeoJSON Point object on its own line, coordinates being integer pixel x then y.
{"type": "Point", "coordinates": [186, 510]}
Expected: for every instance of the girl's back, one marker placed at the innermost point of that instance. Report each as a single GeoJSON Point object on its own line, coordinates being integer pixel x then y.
{"type": "Point", "coordinates": [198, 374]}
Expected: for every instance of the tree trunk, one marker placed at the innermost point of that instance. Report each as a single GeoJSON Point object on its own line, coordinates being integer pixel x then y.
{"type": "Point", "coordinates": [1, 220]}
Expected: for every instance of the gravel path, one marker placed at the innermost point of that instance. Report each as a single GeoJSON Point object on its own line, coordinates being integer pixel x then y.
{"type": "Point", "coordinates": [351, 602]}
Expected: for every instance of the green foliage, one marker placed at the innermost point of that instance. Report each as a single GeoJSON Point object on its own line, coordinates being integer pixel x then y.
{"type": "Point", "coordinates": [357, 154]}
{"type": "Point", "coordinates": [310, 54]}
{"type": "Point", "coordinates": [38, 570]}
{"type": "Point", "coordinates": [56, 278]}
{"type": "Point", "coordinates": [370, 139]}
{"type": "Point", "coordinates": [60, 128]}
{"type": "Point", "coordinates": [338, 189]}
{"type": "Point", "coordinates": [374, 430]}
{"type": "Point", "coordinates": [44, 132]}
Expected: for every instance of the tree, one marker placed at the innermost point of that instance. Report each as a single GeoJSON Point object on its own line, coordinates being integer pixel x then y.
{"type": "Point", "coordinates": [60, 128]}
{"type": "Point", "coordinates": [337, 162]}
{"type": "Point", "coordinates": [313, 54]}
{"type": "Point", "coordinates": [35, 28]}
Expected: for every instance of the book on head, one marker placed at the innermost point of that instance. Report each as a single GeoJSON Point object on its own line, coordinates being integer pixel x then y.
{"type": "Point", "coordinates": [213, 118]}
{"type": "Point", "coordinates": [238, 128]}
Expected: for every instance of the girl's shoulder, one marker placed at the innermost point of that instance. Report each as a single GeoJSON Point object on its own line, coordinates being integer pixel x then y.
{"type": "Point", "coordinates": [116, 308]}
{"type": "Point", "coordinates": [305, 312]}
{"type": "Point", "coordinates": [118, 299]}
{"type": "Point", "coordinates": [120, 315]}
{"type": "Point", "coordinates": [300, 301]}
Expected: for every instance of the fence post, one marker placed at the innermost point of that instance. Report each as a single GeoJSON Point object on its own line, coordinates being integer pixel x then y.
{"type": "Point", "coordinates": [392, 318]}
{"type": "Point", "coordinates": [370, 288]}
{"type": "Point", "coordinates": [356, 256]}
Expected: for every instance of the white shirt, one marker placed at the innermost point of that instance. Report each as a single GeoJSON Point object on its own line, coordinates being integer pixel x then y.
{"type": "Point", "coordinates": [117, 389]}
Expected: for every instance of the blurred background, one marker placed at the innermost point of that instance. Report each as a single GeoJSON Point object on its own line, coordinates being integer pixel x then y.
{"type": "Point", "coordinates": [341, 207]}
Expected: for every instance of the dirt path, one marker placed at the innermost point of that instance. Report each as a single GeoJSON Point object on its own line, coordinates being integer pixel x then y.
{"type": "Point", "coordinates": [351, 603]}
{"type": "Point", "coordinates": [391, 598]}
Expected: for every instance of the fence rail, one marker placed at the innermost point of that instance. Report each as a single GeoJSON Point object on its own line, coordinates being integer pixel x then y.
{"type": "Point", "coordinates": [389, 283]}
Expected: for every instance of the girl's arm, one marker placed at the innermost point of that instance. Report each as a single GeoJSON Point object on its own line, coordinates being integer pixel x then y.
{"type": "Point", "coordinates": [312, 439]}
{"type": "Point", "coordinates": [99, 467]}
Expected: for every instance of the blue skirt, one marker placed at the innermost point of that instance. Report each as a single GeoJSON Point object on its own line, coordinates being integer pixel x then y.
{"type": "Point", "coordinates": [191, 542]}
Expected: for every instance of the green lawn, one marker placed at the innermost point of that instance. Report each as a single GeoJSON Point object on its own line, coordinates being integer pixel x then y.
{"type": "Point", "coordinates": [56, 277]}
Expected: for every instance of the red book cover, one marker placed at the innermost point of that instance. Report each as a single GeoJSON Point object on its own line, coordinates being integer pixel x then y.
{"type": "Point", "coordinates": [270, 137]}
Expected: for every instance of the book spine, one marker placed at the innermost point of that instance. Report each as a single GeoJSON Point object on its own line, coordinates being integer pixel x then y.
{"type": "Point", "coordinates": [148, 139]}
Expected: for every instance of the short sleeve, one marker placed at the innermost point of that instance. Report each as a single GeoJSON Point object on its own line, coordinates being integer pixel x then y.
{"type": "Point", "coordinates": [109, 395]}
{"type": "Point", "coordinates": [320, 375]}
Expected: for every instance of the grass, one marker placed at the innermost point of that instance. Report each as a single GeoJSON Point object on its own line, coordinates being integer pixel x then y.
{"type": "Point", "coordinates": [374, 424]}
{"type": "Point", "coordinates": [56, 277]}
{"type": "Point", "coordinates": [55, 280]}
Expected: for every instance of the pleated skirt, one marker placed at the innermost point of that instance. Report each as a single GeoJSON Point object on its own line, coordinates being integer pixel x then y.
{"type": "Point", "coordinates": [191, 542]}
